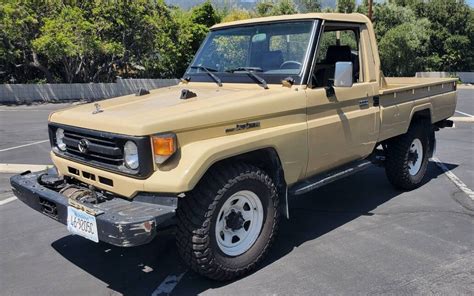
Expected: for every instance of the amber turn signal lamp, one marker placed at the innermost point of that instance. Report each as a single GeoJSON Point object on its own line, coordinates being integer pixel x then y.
{"type": "Point", "coordinates": [163, 147]}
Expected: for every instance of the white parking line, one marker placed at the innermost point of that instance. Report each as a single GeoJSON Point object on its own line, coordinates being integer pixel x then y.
{"type": "Point", "coordinates": [455, 179]}
{"type": "Point", "coordinates": [25, 145]}
{"type": "Point", "coordinates": [12, 168]}
{"type": "Point", "coordinates": [7, 200]}
{"type": "Point", "coordinates": [25, 110]}
{"type": "Point", "coordinates": [464, 113]}
{"type": "Point", "coordinates": [167, 285]}
{"type": "Point", "coordinates": [462, 119]}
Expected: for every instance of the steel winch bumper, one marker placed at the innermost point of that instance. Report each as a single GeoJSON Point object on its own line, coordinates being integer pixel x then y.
{"type": "Point", "coordinates": [120, 222]}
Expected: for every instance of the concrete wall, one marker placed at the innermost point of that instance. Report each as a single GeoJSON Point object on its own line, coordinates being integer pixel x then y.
{"type": "Point", "coordinates": [27, 93]}
{"type": "Point", "coordinates": [466, 77]}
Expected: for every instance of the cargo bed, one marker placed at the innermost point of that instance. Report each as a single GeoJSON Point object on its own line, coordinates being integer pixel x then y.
{"type": "Point", "coordinates": [401, 97]}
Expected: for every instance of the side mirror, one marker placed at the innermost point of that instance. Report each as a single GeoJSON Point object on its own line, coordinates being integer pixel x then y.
{"type": "Point", "coordinates": [343, 74]}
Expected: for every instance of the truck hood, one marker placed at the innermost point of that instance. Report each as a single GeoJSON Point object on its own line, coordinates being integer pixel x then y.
{"type": "Point", "coordinates": [163, 110]}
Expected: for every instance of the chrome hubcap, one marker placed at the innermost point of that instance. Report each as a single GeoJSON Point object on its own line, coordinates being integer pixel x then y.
{"type": "Point", "coordinates": [239, 223]}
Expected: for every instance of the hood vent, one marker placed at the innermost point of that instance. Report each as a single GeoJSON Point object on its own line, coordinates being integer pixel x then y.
{"type": "Point", "coordinates": [187, 94]}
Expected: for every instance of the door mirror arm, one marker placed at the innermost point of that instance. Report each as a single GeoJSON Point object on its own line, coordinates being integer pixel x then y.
{"type": "Point", "coordinates": [330, 89]}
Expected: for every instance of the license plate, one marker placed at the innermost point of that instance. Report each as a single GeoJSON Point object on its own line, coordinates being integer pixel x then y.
{"type": "Point", "coordinates": [82, 223]}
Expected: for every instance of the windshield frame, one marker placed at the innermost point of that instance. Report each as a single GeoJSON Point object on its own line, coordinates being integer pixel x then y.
{"type": "Point", "coordinates": [270, 78]}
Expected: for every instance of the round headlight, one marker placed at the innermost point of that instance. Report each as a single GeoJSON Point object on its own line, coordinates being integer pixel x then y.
{"type": "Point", "coordinates": [60, 139]}
{"type": "Point", "coordinates": [131, 155]}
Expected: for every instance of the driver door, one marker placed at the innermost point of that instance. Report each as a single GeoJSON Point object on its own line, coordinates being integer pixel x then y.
{"type": "Point", "coordinates": [341, 127]}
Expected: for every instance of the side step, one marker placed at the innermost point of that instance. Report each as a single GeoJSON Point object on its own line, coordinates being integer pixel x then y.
{"type": "Point", "coordinates": [328, 177]}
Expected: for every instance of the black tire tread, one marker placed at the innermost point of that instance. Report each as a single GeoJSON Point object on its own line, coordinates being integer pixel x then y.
{"type": "Point", "coordinates": [194, 219]}
{"type": "Point", "coordinates": [396, 164]}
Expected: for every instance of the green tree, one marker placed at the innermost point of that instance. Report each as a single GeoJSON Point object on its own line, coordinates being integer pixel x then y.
{"type": "Point", "coordinates": [309, 5]}
{"type": "Point", "coordinates": [205, 14]}
{"type": "Point", "coordinates": [20, 22]}
{"type": "Point", "coordinates": [88, 40]}
{"type": "Point", "coordinates": [346, 6]}
{"type": "Point", "coordinates": [280, 7]}
{"type": "Point", "coordinates": [264, 8]}
{"type": "Point", "coordinates": [388, 16]}
{"type": "Point", "coordinates": [150, 35]}
{"type": "Point", "coordinates": [403, 48]}
{"type": "Point", "coordinates": [458, 54]}
{"type": "Point", "coordinates": [190, 36]}
{"type": "Point", "coordinates": [284, 7]}
{"type": "Point", "coordinates": [328, 9]}
{"type": "Point", "coordinates": [236, 14]}
{"type": "Point", "coordinates": [363, 7]}
{"type": "Point", "coordinates": [452, 40]}
{"type": "Point", "coordinates": [68, 39]}
{"type": "Point", "coordinates": [403, 3]}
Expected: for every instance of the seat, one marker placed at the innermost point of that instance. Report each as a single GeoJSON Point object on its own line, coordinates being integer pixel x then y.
{"type": "Point", "coordinates": [325, 71]}
{"type": "Point", "coordinates": [338, 53]}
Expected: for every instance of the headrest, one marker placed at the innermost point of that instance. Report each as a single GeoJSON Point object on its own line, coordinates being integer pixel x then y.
{"type": "Point", "coordinates": [338, 53]}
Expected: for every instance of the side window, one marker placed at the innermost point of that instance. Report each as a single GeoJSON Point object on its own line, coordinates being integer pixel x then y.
{"type": "Point", "coordinates": [336, 45]}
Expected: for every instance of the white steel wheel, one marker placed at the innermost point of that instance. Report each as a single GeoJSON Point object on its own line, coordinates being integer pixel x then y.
{"type": "Point", "coordinates": [415, 157]}
{"type": "Point", "coordinates": [239, 223]}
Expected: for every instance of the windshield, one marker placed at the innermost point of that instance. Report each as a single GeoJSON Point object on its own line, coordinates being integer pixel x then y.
{"type": "Point", "coordinates": [274, 49]}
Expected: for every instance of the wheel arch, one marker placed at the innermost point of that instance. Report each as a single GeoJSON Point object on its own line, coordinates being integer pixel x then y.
{"type": "Point", "coordinates": [422, 112]}
{"type": "Point", "coordinates": [268, 160]}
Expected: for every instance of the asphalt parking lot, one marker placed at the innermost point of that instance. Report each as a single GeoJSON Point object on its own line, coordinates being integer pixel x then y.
{"type": "Point", "coordinates": [355, 236]}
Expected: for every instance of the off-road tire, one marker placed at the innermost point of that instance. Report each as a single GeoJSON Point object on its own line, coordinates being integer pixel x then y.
{"type": "Point", "coordinates": [197, 216]}
{"type": "Point", "coordinates": [397, 157]}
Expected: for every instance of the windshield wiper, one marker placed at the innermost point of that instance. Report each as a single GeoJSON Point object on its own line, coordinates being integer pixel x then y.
{"type": "Point", "coordinates": [209, 72]}
{"type": "Point", "coordinates": [251, 71]}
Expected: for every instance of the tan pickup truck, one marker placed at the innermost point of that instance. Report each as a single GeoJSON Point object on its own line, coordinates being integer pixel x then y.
{"type": "Point", "coordinates": [269, 108]}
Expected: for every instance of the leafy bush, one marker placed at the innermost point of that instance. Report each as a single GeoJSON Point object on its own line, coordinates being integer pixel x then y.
{"type": "Point", "coordinates": [96, 41]}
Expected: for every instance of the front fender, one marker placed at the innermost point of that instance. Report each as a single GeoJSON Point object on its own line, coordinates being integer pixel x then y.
{"type": "Point", "coordinates": [194, 159]}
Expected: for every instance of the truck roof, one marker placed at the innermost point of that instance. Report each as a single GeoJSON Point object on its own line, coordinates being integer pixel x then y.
{"type": "Point", "coordinates": [343, 17]}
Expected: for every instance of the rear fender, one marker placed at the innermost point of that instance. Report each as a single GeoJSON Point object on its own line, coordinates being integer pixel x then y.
{"type": "Point", "coordinates": [422, 111]}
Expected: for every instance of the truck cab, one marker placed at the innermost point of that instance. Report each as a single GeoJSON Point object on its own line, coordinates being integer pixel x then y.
{"type": "Point", "coordinates": [269, 108]}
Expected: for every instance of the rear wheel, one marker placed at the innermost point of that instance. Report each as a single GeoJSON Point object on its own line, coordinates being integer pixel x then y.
{"type": "Point", "coordinates": [407, 157]}
{"type": "Point", "coordinates": [226, 225]}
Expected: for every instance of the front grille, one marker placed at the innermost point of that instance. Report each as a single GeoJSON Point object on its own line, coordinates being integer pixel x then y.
{"type": "Point", "coordinates": [104, 149]}
{"type": "Point", "coordinates": [100, 149]}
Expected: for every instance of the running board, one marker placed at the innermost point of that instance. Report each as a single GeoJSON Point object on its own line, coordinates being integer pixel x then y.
{"type": "Point", "coordinates": [331, 176]}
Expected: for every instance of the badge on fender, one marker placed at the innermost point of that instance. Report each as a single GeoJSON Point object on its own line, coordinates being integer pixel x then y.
{"type": "Point", "coordinates": [243, 126]}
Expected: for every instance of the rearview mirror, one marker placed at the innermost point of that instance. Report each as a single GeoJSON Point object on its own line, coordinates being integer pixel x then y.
{"type": "Point", "coordinates": [259, 37]}
{"type": "Point", "coordinates": [343, 74]}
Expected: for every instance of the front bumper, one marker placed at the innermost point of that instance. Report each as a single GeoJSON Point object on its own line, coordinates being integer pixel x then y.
{"type": "Point", "coordinates": [119, 222]}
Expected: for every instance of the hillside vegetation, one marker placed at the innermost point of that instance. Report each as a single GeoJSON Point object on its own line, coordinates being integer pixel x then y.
{"type": "Point", "coordinates": [96, 41]}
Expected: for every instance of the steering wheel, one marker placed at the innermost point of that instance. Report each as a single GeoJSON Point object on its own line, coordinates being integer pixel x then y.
{"type": "Point", "coordinates": [290, 65]}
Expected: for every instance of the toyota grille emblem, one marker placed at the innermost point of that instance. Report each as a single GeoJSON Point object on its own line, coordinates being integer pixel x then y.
{"type": "Point", "coordinates": [83, 146]}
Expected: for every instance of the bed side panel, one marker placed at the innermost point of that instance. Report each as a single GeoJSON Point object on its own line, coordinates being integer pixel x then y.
{"type": "Point", "coordinates": [398, 108]}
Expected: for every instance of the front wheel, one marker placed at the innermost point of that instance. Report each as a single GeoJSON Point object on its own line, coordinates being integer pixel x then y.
{"type": "Point", "coordinates": [407, 157]}
{"type": "Point", "coordinates": [227, 224]}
